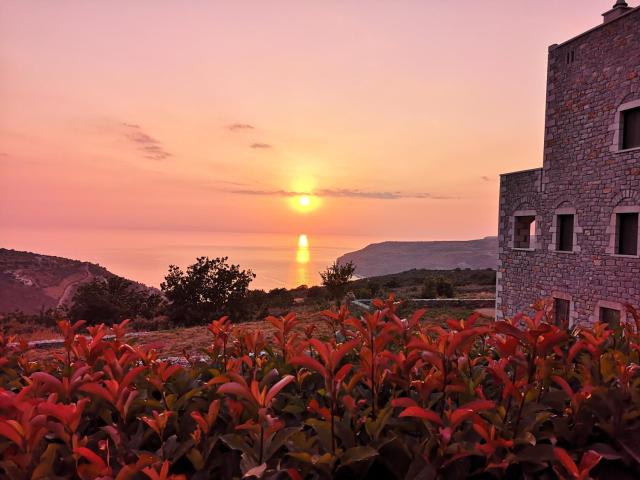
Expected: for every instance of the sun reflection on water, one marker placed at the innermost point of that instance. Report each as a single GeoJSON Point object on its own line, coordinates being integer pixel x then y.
{"type": "Point", "coordinates": [302, 253]}
{"type": "Point", "coordinates": [302, 259]}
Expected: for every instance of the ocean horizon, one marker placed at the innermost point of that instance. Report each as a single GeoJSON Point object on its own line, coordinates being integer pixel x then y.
{"type": "Point", "coordinates": [278, 260]}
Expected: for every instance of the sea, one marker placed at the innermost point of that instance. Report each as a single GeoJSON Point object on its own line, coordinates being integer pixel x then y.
{"type": "Point", "coordinates": [278, 260]}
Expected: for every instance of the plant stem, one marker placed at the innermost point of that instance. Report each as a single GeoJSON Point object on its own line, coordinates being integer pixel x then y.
{"type": "Point", "coordinates": [261, 443]}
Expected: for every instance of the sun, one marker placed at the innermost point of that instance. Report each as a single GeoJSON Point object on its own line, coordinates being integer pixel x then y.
{"type": "Point", "coordinates": [304, 203]}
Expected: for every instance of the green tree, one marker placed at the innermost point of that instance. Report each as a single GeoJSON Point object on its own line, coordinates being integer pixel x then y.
{"type": "Point", "coordinates": [336, 277]}
{"type": "Point", "coordinates": [444, 288]}
{"type": "Point", "coordinates": [429, 288]}
{"type": "Point", "coordinates": [112, 300]}
{"type": "Point", "coordinates": [208, 289]}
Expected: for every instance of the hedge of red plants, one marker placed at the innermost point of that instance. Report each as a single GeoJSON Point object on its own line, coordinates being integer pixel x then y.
{"type": "Point", "coordinates": [384, 397]}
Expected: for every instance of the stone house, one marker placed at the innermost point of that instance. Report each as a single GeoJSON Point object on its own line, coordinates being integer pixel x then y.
{"type": "Point", "coordinates": [569, 231]}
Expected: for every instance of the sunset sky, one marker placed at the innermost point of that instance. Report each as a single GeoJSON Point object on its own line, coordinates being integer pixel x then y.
{"type": "Point", "coordinates": [394, 117]}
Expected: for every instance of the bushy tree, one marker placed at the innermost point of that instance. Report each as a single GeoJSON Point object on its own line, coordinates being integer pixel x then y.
{"type": "Point", "coordinates": [429, 288]}
{"type": "Point", "coordinates": [336, 277]}
{"type": "Point", "coordinates": [316, 294]}
{"type": "Point", "coordinates": [208, 289]}
{"type": "Point", "coordinates": [437, 287]}
{"type": "Point", "coordinates": [280, 298]}
{"type": "Point", "coordinates": [112, 300]}
{"type": "Point", "coordinates": [445, 288]}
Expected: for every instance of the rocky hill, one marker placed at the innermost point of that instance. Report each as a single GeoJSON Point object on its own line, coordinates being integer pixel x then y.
{"type": "Point", "coordinates": [393, 257]}
{"type": "Point", "coordinates": [31, 282]}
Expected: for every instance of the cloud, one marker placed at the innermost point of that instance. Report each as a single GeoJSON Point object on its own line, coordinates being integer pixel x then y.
{"type": "Point", "coordinates": [486, 178]}
{"type": "Point", "coordinates": [151, 147]}
{"type": "Point", "coordinates": [235, 127]}
{"type": "Point", "coordinates": [260, 145]}
{"type": "Point", "coordinates": [343, 193]}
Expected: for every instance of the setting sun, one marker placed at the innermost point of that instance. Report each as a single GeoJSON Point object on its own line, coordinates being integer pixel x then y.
{"type": "Point", "coordinates": [305, 203]}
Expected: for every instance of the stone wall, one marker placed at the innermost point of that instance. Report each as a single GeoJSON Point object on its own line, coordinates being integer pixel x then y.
{"type": "Point", "coordinates": [589, 78]}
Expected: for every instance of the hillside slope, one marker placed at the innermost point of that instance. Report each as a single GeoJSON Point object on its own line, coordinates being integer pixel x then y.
{"type": "Point", "coordinates": [31, 282]}
{"type": "Point", "coordinates": [393, 257]}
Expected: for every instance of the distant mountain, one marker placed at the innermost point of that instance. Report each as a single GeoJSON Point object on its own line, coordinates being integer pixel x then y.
{"type": "Point", "coordinates": [394, 257]}
{"type": "Point", "coordinates": [31, 282]}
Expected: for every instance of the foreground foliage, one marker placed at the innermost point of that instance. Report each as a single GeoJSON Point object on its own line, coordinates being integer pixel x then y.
{"type": "Point", "coordinates": [384, 397]}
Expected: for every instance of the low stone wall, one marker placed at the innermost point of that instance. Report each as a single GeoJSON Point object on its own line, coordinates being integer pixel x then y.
{"type": "Point", "coordinates": [471, 303]}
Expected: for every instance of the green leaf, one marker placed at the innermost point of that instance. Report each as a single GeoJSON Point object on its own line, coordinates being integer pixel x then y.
{"type": "Point", "coordinates": [278, 440]}
{"type": "Point", "coordinates": [357, 454]}
{"type": "Point", "coordinates": [196, 459]}
{"type": "Point", "coordinates": [47, 459]}
{"type": "Point", "coordinates": [237, 442]}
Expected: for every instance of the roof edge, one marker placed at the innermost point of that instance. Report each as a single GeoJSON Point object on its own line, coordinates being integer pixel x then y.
{"type": "Point", "coordinates": [572, 39]}
{"type": "Point", "coordinates": [528, 170]}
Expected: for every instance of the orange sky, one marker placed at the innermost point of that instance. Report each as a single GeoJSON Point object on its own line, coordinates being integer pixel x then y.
{"type": "Point", "coordinates": [196, 115]}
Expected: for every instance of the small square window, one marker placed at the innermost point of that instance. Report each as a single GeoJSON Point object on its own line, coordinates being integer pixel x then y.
{"type": "Point", "coordinates": [610, 316]}
{"type": "Point", "coordinates": [561, 308]}
{"type": "Point", "coordinates": [627, 234]}
{"type": "Point", "coordinates": [631, 128]}
{"type": "Point", "coordinates": [564, 233]}
{"type": "Point", "coordinates": [524, 230]}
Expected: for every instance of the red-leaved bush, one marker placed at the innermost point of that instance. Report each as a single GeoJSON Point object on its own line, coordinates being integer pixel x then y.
{"type": "Point", "coordinates": [383, 397]}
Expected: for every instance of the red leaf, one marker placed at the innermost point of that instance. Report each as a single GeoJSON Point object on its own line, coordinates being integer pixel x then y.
{"type": "Point", "coordinates": [92, 457]}
{"type": "Point", "coordinates": [11, 433]}
{"type": "Point", "coordinates": [564, 385]}
{"type": "Point", "coordinates": [567, 462]}
{"type": "Point", "coordinates": [273, 391]}
{"type": "Point", "coordinates": [310, 363]}
{"type": "Point", "coordinates": [238, 390]}
{"type": "Point", "coordinates": [479, 405]}
{"type": "Point", "coordinates": [508, 329]}
{"type": "Point", "coordinates": [403, 402]}
{"type": "Point", "coordinates": [422, 413]}
{"type": "Point", "coordinates": [589, 460]}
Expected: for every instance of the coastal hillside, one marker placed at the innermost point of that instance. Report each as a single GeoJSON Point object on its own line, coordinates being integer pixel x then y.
{"type": "Point", "coordinates": [31, 282]}
{"type": "Point", "coordinates": [393, 257]}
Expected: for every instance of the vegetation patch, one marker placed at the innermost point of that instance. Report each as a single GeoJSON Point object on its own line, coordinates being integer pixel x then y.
{"type": "Point", "coordinates": [378, 397]}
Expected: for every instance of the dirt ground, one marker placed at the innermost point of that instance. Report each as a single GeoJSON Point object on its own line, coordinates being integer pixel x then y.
{"type": "Point", "coordinates": [194, 340]}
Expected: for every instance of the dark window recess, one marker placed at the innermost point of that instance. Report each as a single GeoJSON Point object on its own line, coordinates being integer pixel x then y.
{"type": "Point", "coordinates": [627, 234]}
{"type": "Point", "coordinates": [631, 128]}
{"type": "Point", "coordinates": [610, 316]}
{"type": "Point", "coordinates": [564, 233]}
{"type": "Point", "coordinates": [523, 231]}
{"type": "Point", "coordinates": [561, 312]}
{"type": "Point", "coordinates": [571, 56]}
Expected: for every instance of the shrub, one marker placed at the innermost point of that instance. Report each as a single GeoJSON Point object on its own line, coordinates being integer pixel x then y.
{"type": "Point", "coordinates": [209, 288]}
{"type": "Point", "coordinates": [336, 278]}
{"type": "Point", "coordinates": [429, 288]}
{"type": "Point", "coordinates": [444, 288]}
{"type": "Point", "coordinates": [280, 298]}
{"type": "Point", "coordinates": [437, 287]}
{"type": "Point", "coordinates": [317, 293]}
{"type": "Point", "coordinates": [394, 398]}
{"type": "Point", "coordinates": [113, 299]}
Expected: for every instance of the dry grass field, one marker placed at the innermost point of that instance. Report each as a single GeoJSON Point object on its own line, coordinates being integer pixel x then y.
{"type": "Point", "coordinates": [192, 341]}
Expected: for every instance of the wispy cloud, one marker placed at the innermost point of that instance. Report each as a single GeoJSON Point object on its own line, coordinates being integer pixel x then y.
{"type": "Point", "coordinates": [343, 193]}
{"type": "Point", "coordinates": [151, 147]}
{"type": "Point", "coordinates": [486, 178]}
{"type": "Point", "coordinates": [234, 127]}
{"type": "Point", "coordinates": [260, 145]}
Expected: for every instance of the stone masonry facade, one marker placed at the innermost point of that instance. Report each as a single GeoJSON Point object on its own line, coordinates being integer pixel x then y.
{"type": "Point", "coordinates": [592, 80]}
